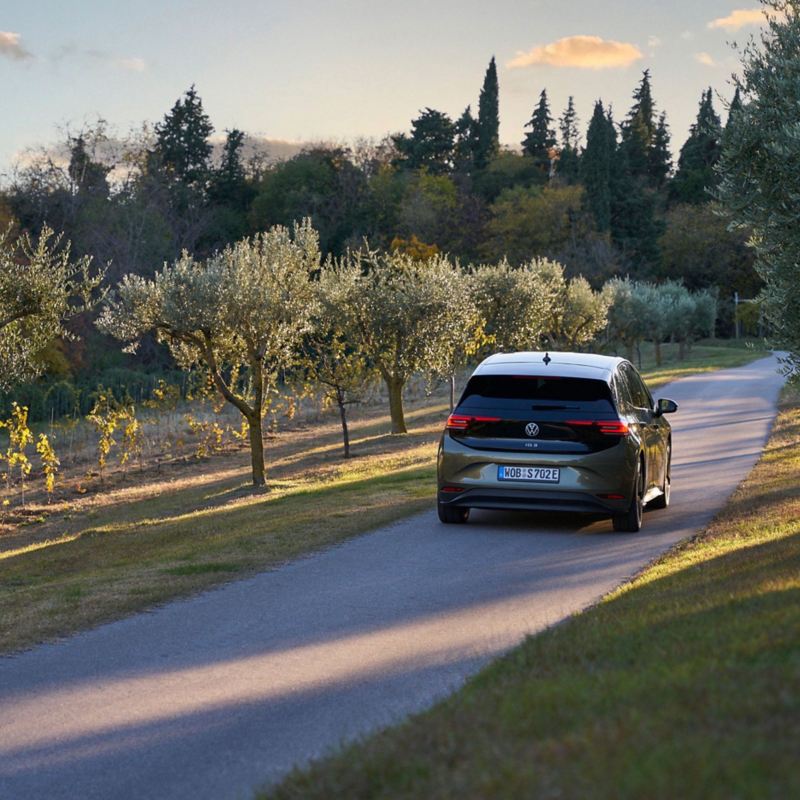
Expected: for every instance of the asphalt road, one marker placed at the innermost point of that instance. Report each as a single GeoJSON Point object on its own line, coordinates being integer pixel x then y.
{"type": "Point", "coordinates": [212, 696]}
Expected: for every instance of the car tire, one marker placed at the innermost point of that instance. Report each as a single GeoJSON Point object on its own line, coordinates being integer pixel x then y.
{"type": "Point", "coordinates": [452, 515]}
{"type": "Point", "coordinates": [630, 521]}
{"type": "Point", "coordinates": [662, 501]}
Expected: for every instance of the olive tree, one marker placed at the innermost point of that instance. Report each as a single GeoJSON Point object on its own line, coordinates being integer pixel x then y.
{"type": "Point", "coordinates": [519, 304]}
{"type": "Point", "coordinates": [760, 180]}
{"type": "Point", "coordinates": [402, 315]}
{"type": "Point", "coordinates": [627, 314]}
{"type": "Point", "coordinates": [581, 313]}
{"type": "Point", "coordinates": [240, 315]}
{"type": "Point", "coordinates": [41, 287]}
{"type": "Point", "coordinates": [329, 356]}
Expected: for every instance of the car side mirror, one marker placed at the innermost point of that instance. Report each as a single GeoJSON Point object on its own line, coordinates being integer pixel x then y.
{"type": "Point", "coordinates": [665, 406]}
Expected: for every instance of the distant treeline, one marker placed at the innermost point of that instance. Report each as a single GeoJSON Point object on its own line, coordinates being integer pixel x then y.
{"type": "Point", "coordinates": [604, 200]}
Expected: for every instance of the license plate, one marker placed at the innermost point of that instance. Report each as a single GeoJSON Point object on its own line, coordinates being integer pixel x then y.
{"type": "Point", "coordinates": [533, 474]}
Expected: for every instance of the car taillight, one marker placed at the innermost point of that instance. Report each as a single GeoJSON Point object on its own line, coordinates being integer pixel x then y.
{"type": "Point", "coordinates": [608, 427]}
{"type": "Point", "coordinates": [459, 422]}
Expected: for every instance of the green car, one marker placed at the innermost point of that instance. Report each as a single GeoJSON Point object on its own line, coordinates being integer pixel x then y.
{"type": "Point", "coordinates": [556, 432]}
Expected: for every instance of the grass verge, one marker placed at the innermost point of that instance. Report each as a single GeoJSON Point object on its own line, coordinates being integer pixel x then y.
{"type": "Point", "coordinates": [684, 683]}
{"type": "Point", "coordinates": [154, 537]}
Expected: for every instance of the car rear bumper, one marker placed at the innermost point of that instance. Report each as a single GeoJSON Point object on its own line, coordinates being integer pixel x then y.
{"type": "Point", "coordinates": [532, 500]}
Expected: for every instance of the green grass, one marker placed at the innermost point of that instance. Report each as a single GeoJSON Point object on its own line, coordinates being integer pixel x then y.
{"type": "Point", "coordinates": [684, 683]}
{"type": "Point", "coordinates": [706, 356]}
{"type": "Point", "coordinates": [161, 535]}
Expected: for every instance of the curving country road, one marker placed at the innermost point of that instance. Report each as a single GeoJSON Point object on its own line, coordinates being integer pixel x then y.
{"type": "Point", "coordinates": [212, 696]}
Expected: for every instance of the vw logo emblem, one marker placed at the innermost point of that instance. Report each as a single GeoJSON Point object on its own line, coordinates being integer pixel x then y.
{"type": "Point", "coordinates": [532, 429]}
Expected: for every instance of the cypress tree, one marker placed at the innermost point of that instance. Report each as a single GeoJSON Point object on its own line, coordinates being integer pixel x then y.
{"type": "Point", "coordinates": [569, 156]}
{"type": "Point", "coordinates": [541, 139]}
{"type": "Point", "coordinates": [634, 228]}
{"type": "Point", "coordinates": [695, 175]}
{"type": "Point", "coordinates": [466, 142]}
{"type": "Point", "coordinates": [595, 167]}
{"type": "Point", "coordinates": [660, 157]}
{"type": "Point", "coordinates": [735, 108]}
{"type": "Point", "coordinates": [488, 117]}
{"type": "Point", "coordinates": [639, 128]}
{"type": "Point", "coordinates": [229, 185]}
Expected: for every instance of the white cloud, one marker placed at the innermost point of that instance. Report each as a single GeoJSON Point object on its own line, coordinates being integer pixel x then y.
{"type": "Point", "coordinates": [653, 41]}
{"type": "Point", "coordinates": [705, 59]}
{"type": "Point", "coordinates": [583, 52]}
{"type": "Point", "coordinates": [687, 35]}
{"type": "Point", "coordinates": [740, 18]}
{"type": "Point", "coordinates": [10, 46]}
{"type": "Point", "coordinates": [132, 64]}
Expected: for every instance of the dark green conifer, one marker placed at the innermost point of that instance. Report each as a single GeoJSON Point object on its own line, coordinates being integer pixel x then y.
{"type": "Point", "coordinates": [488, 117]}
{"type": "Point", "coordinates": [695, 176]}
{"type": "Point", "coordinates": [182, 145]}
{"type": "Point", "coordinates": [540, 141]}
{"type": "Point", "coordinates": [569, 153]}
{"type": "Point", "coordinates": [595, 167]}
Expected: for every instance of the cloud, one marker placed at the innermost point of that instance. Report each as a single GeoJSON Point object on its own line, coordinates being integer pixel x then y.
{"type": "Point", "coordinates": [583, 52]}
{"type": "Point", "coordinates": [132, 64]}
{"type": "Point", "coordinates": [653, 41]}
{"type": "Point", "coordinates": [705, 59]}
{"type": "Point", "coordinates": [740, 18]}
{"type": "Point", "coordinates": [10, 46]}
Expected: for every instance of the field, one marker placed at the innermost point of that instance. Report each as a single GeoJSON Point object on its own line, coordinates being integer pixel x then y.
{"type": "Point", "coordinates": [168, 529]}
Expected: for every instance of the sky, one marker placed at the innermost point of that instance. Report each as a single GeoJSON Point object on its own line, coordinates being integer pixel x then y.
{"type": "Point", "coordinates": [313, 70]}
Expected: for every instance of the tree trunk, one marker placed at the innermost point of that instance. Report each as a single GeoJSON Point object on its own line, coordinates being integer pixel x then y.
{"type": "Point", "coordinates": [452, 392]}
{"type": "Point", "coordinates": [343, 415]}
{"type": "Point", "coordinates": [395, 387]}
{"type": "Point", "coordinates": [256, 449]}
{"type": "Point", "coordinates": [657, 344]}
{"type": "Point", "coordinates": [629, 351]}
{"type": "Point", "coordinates": [681, 349]}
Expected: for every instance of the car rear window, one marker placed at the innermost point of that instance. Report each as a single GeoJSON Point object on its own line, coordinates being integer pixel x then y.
{"type": "Point", "coordinates": [528, 391]}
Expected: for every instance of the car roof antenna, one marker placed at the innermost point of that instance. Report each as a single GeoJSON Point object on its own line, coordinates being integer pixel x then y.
{"type": "Point", "coordinates": [547, 358]}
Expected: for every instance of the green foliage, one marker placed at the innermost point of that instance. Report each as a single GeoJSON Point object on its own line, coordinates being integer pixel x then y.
{"type": "Point", "coordinates": [639, 310]}
{"type": "Point", "coordinates": [41, 287]}
{"type": "Point", "coordinates": [639, 132]}
{"type": "Point", "coordinates": [581, 314]}
{"type": "Point", "coordinates": [759, 168]}
{"type": "Point", "coordinates": [427, 206]}
{"type": "Point", "coordinates": [696, 178]}
{"type": "Point", "coordinates": [182, 146]}
{"type": "Point", "coordinates": [596, 164]}
{"type": "Point", "coordinates": [520, 305]}
{"type": "Point", "coordinates": [568, 168]}
{"type": "Point", "coordinates": [488, 118]}
{"type": "Point", "coordinates": [321, 184]}
{"type": "Point", "coordinates": [539, 143]}
{"type": "Point", "coordinates": [635, 228]}
{"type": "Point", "coordinates": [430, 145]}
{"type": "Point", "coordinates": [698, 245]}
{"type": "Point", "coordinates": [330, 357]}
{"type": "Point", "coordinates": [534, 222]}
{"type": "Point", "coordinates": [466, 145]}
{"type": "Point", "coordinates": [507, 170]}
{"type": "Point", "coordinates": [245, 309]}
{"type": "Point", "coordinates": [405, 315]}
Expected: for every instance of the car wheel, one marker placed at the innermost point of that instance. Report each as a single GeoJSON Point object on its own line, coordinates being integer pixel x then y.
{"type": "Point", "coordinates": [630, 521]}
{"type": "Point", "coordinates": [662, 501]}
{"type": "Point", "coordinates": [452, 515]}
